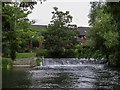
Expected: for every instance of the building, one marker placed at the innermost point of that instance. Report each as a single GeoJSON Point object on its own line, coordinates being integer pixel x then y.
{"type": "Point", "coordinates": [37, 44]}
{"type": "Point", "coordinates": [83, 34]}
{"type": "Point", "coordinates": [38, 26]}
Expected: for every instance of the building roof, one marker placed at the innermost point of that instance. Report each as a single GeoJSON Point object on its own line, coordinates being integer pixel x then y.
{"type": "Point", "coordinates": [83, 30]}
{"type": "Point", "coordinates": [38, 26]}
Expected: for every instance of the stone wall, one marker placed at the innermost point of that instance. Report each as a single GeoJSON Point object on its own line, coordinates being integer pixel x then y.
{"type": "Point", "coordinates": [25, 61]}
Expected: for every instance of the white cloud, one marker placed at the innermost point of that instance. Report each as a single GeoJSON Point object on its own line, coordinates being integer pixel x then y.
{"type": "Point", "coordinates": [79, 10]}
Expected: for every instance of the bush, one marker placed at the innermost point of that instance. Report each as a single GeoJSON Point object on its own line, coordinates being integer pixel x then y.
{"type": "Point", "coordinates": [7, 63]}
{"type": "Point", "coordinates": [69, 53]}
{"type": "Point", "coordinates": [41, 52]}
{"type": "Point", "coordinates": [113, 60]}
{"type": "Point", "coordinates": [6, 52]}
{"type": "Point", "coordinates": [38, 62]}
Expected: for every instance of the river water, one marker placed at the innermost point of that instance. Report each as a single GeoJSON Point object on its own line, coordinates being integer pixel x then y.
{"type": "Point", "coordinates": [67, 75]}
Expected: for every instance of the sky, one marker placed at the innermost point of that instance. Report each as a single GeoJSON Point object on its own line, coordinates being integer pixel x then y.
{"type": "Point", "coordinates": [79, 10]}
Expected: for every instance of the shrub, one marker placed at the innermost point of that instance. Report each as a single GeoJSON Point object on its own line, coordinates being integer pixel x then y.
{"type": "Point", "coordinates": [38, 62]}
{"type": "Point", "coordinates": [6, 52]}
{"type": "Point", "coordinates": [41, 52]}
{"type": "Point", "coordinates": [113, 61]}
{"type": "Point", "coordinates": [69, 53]}
{"type": "Point", "coordinates": [7, 63]}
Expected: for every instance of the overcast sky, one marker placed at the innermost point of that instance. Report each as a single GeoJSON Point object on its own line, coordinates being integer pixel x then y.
{"type": "Point", "coordinates": [79, 10]}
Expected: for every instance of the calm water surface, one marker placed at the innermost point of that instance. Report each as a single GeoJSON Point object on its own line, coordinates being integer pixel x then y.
{"type": "Point", "coordinates": [63, 76]}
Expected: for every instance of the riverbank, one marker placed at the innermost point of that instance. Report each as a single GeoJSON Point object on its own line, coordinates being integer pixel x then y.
{"type": "Point", "coordinates": [22, 60]}
{"type": "Point", "coordinates": [7, 63]}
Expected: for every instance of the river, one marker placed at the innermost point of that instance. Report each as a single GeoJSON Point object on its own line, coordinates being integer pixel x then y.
{"type": "Point", "coordinates": [82, 75]}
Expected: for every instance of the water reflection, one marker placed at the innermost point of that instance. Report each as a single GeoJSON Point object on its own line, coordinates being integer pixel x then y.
{"type": "Point", "coordinates": [82, 76]}
{"type": "Point", "coordinates": [15, 78]}
{"type": "Point", "coordinates": [51, 78]}
{"type": "Point", "coordinates": [108, 78]}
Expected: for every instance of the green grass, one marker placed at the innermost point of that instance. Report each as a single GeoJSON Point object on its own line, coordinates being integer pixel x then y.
{"type": "Point", "coordinates": [25, 55]}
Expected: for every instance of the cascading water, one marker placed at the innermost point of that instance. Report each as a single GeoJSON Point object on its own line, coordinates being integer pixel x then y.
{"type": "Point", "coordinates": [68, 61]}
{"type": "Point", "coordinates": [62, 61]}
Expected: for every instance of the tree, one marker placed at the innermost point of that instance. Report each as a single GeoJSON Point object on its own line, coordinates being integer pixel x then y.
{"type": "Point", "coordinates": [61, 36]}
{"type": "Point", "coordinates": [28, 38]}
{"type": "Point", "coordinates": [104, 36]}
{"type": "Point", "coordinates": [95, 6]}
{"type": "Point", "coordinates": [13, 17]}
{"type": "Point", "coordinates": [114, 8]}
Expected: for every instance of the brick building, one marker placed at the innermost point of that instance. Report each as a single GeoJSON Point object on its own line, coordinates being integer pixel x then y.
{"type": "Point", "coordinates": [83, 34]}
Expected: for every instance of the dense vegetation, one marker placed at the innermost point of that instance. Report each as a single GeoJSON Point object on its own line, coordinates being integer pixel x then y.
{"type": "Point", "coordinates": [14, 20]}
{"type": "Point", "coordinates": [17, 35]}
{"type": "Point", "coordinates": [105, 30]}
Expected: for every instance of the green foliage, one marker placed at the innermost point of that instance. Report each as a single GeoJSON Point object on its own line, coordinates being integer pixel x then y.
{"type": "Point", "coordinates": [104, 32]}
{"type": "Point", "coordinates": [114, 9]}
{"type": "Point", "coordinates": [38, 61]}
{"type": "Point", "coordinates": [7, 63]}
{"type": "Point", "coordinates": [83, 51]}
{"type": "Point", "coordinates": [112, 61]}
{"type": "Point", "coordinates": [41, 52]}
{"type": "Point", "coordinates": [95, 6]}
{"type": "Point", "coordinates": [14, 17]}
{"type": "Point", "coordinates": [111, 39]}
{"type": "Point", "coordinates": [29, 36]}
{"type": "Point", "coordinates": [61, 35]}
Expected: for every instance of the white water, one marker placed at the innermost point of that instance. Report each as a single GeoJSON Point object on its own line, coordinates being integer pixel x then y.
{"type": "Point", "coordinates": [68, 61]}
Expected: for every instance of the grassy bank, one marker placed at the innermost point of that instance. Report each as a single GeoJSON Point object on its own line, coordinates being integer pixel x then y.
{"type": "Point", "coordinates": [7, 63]}
{"type": "Point", "coordinates": [24, 55]}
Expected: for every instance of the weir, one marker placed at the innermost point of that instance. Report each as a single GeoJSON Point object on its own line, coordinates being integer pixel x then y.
{"type": "Point", "coordinates": [70, 61]}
